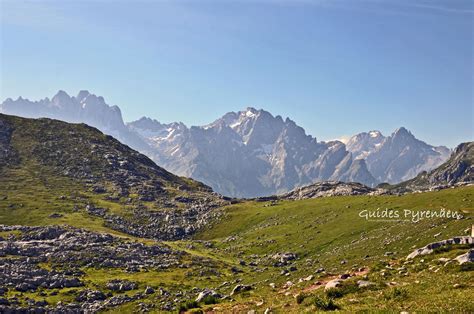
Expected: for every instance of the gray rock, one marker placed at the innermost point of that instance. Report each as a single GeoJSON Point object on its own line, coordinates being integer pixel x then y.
{"type": "Point", "coordinates": [240, 288]}
{"type": "Point", "coordinates": [466, 258]}
{"type": "Point", "coordinates": [429, 249]}
{"type": "Point", "coordinates": [364, 283]}
{"type": "Point", "coordinates": [205, 293]}
{"type": "Point", "coordinates": [333, 284]}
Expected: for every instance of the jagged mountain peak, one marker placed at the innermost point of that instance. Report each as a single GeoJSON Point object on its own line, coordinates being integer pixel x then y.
{"type": "Point", "coordinates": [250, 111]}
{"type": "Point", "coordinates": [61, 95]}
{"type": "Point", "coordinates": [82, 94]}
{"type": "Point", "coordinates": [375, 133]}
{"type": "Point", "coordinates": [402, 130]}
{"type": "Point", "coordinates": [146, 123]}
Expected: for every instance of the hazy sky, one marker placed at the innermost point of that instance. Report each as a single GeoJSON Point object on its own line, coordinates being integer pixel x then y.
{"type": "Point", "coordinates": [335, 67]}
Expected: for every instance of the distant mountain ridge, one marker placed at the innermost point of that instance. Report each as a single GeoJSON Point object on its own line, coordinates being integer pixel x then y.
{"type": "Point", "coordinates": [249, 153]}
{"type": "Point", "coordinates": [84, 108]}
{"type": "Point", "coordinates": [397, 157]}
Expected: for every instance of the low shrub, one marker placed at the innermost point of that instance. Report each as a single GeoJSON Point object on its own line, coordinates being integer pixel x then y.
{"type": "Point", "coordinates": [300, 298]}
{"type": "Point", "coordinates": [324, 303]}
{"type": "Point", "coordinates": [187, 306]}
{"type": "Point", "coordinates": [345, 288]}
{"type": "Point", "coordinates": [210, 300]}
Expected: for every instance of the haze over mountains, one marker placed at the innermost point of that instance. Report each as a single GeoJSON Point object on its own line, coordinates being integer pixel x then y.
{"type": "Point", "coordinates": [247, 153]}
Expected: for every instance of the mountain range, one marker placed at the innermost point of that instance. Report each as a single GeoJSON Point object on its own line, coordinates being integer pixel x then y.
{"type": "Point", "coordinates": [247, 153]}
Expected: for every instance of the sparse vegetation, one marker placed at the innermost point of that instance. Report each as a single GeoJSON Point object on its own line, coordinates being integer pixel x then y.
{"type": "Point", "coordinates": [187, 306]}
{"type": "Point", "coordinates": [324, 303]}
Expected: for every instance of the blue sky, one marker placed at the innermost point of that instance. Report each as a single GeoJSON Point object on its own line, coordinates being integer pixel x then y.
{"type": "Point", "coordinates": [335, 67]}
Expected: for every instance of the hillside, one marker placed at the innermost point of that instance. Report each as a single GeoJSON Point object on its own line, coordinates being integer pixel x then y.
{"type": "Point", "coordinates": [457, 170]}
{"type": "Point", "coordinates": [93, 174]}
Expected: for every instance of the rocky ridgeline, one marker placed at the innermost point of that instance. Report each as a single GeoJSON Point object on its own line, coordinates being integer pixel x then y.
{"type": "Point", "coordinates": [326, 189]}
{"type": "Point", "coordinates": [67, 250]}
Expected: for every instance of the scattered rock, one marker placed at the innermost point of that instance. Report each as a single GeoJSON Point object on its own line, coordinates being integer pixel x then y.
{"type": "Point", "coordinates": [364, 283]}
{"type": "Point", "coordinates": [207, 292]}
{"type": "Point", "coordinates": [55, 215]}
{"type": "Point", "coordinates": [344, 276]}
{"type": "Point", "coordinates": [428, 249]}
{"type": "Point", "coordinates": [466, 258]}
{"type": "Point", "coordinates": [333, 284]}
{"type": "Point", "coordinates": [240, 288]}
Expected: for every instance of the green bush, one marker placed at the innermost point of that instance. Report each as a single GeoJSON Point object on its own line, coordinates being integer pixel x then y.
{"type": "Point", "coordinates": [209, 300]}
{"type": "Point", "coordinates": [345, 288]}
{"type": "Point", "coordinates": [325, 304]}
{"type": "Point", "coordinates": [187, 306]}
{"type": "Point", "coordinates": [300, 298]}
{"type": "Point", "coordinates": [334, 293]}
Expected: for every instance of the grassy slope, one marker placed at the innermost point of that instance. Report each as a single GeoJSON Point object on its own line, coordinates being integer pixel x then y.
{"type": "Point", "coordinates": [325, 231]}
{"type": "Point", "coordinates": [321, 231]}
{"type": "Point", "coordinates": [327, 226]}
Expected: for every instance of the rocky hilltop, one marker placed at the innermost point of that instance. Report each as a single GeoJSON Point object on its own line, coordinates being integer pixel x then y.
{"type": "Point", "coordinates": [325, 189]}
